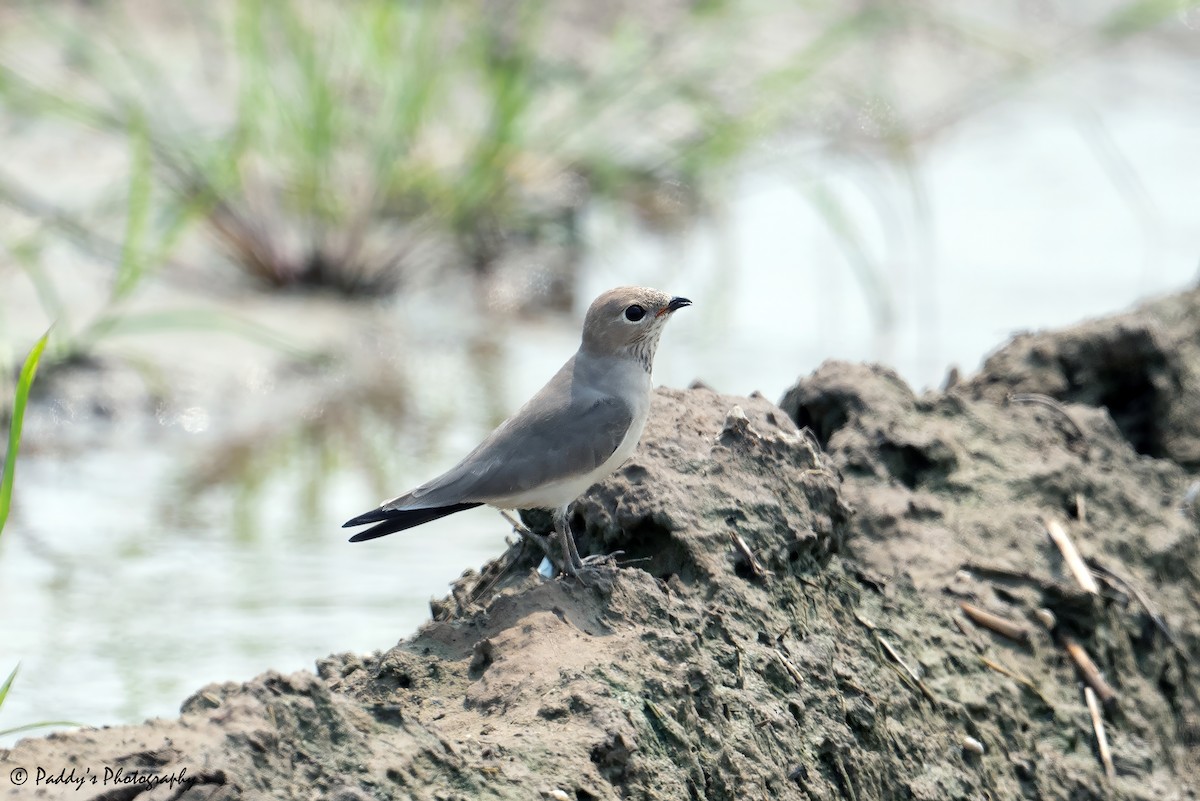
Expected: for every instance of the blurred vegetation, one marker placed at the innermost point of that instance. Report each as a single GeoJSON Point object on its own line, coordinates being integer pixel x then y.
{"type": "Point", "coordinates": [355, 144]}
{"type": "Point", "coordinates": [341, 429]}
{"type": "Point", "coordinates": [358, 146]}
{"type": "Point", "coordinates": [153, 226]}
{"type": "Point", "coordinates": [371, 146]}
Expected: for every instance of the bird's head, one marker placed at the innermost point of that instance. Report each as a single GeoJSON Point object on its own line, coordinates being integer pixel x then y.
{"type": "Point", "coordinates": [629, 320]}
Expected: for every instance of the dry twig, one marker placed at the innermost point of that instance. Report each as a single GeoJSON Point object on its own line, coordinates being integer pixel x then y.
{"type": "Point", "coordinates": [1001, 625]}
{"type": "Point", "coordinates": [756, 568]}
{"type": "Point", "coordinates": [912, 674]}
{"type": "Point", "coordinates": [1101, 737]}
{"type": "Point", "coordinates": [1127, 586]}
{"type": "Point", "coordinates": [1043, 583]}
{"type": "Point", "coordinates": [1088, 670]}
{"type": "Point", "coordinates": [1075, 434]}
{"type": "Point", "coordinates": [1071, 555]}
{"type": "Point", "coordinates": [887, 646]}
{"type": "Point", "coordinates": [1019, 678]}
{"type": "Point", "coordinates": [791, 669]}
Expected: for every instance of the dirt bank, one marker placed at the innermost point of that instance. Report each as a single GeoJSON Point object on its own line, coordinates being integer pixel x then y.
{"type": "Point", "coordinates": [821, 655]}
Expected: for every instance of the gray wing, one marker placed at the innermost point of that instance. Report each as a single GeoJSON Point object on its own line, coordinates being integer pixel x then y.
{"type": "Point", "coordinates": [540, 444]}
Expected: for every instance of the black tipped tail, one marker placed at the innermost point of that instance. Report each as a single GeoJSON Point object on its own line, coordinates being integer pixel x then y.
{"type": "Point", "coordinates": [392, 520]}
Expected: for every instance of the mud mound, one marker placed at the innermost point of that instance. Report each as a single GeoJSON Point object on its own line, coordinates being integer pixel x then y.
{"type": "Point", "coordinates": [1142, 367]}
{"type": "Point", "coordinates": [788, 625]}
{"type": "Point", "coordinates": [952, 494]}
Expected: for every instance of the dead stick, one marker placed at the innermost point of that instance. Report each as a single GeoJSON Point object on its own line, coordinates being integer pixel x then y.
{"type": "Point", "coordinates": [1050, 403]}
{"type": "Point", "coordinates": [755, 566]}
{"type": "Point", "coordinates": [1101, 737]}
{"type": "Point", "coordinates": [1089, 671]}
{"type": "Point", "coordinates": [1011, 574]}
{"type": "Point", "coordinates": [792, 670]}
{"type": "Point", "coordinates": [887, 646]}
{"type": "Point", "coordinates": [1132, 589]}
{"type": "Point", "coordinates": [912, 674]}
{"type": "Point", "coordinates": [1001, 625]}
{"type": "Point", "coordinates": [1017, 677]}
{"type": "Point", "coordinates": [1012, 674]}
{"type": "Point", "coordinates": [1074, 561]}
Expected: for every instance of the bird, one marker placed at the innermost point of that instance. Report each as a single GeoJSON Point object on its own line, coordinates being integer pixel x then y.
{"type": "Point", "coordinates": [576, 431]}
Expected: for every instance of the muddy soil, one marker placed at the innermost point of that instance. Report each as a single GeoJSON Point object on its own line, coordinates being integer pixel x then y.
{"type": "Point", "coordinates": [789, 620]}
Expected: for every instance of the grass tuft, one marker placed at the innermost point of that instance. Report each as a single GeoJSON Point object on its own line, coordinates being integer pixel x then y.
{"type": "Point", "coordinates": [15, 424]}
{"type": "Point", "coordinates": [4, 688]}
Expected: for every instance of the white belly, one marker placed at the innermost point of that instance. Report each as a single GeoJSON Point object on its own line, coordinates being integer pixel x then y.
{"type": "Point", "coordinates": [558, 494]}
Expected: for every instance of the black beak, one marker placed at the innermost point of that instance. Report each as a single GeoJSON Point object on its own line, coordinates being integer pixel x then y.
{"type": "Point", "coordinates": [675, 305]}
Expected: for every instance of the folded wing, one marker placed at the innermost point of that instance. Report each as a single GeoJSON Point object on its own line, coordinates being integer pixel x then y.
{"type": "Point", "coordinates": [543, 443]}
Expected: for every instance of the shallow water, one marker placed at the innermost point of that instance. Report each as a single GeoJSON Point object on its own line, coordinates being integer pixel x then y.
{"type": "Point", "coordinates": [121, 596]}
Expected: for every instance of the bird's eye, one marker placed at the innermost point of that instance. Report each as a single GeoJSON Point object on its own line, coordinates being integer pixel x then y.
{"type": "Point", "coordinates": [634, 313]}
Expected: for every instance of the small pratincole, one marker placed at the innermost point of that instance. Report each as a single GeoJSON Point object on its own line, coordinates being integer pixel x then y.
{"type": "Point", "coordinates": [576, 431]}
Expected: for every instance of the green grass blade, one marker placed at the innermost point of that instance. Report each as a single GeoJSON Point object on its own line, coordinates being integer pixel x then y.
{"type": "Point", "coordinates": [254, 102]}
{"type": "Point", "coordinates": [25, 94]}
{"type": "Point", "coordinates": [28, 254]}
{"type": "Point", "coordinates": [133, 264]}
{"type": "Point", "coordinates": [207, 320]}
{"type": "Point", "coordinates": [1129, 19]}
{"type": "Point", "coordinates": [24, 384]}
{"type": "Point", "coordinates": [28, 726]}
{"type": "Point", "coordinates": [40, 725]}
{"type": "Point", "coordinates": [8, 683]}
{"type": "Point", "coordinates": [840, 223]}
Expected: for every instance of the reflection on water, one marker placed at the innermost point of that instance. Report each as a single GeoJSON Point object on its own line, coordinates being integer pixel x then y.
{"type": "Point", "coordinates": [133, 614]}
{"type": "Point", "coordinates": [124, 587]}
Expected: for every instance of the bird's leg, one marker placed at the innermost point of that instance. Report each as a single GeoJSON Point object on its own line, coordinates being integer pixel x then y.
{"type": "Point", "coordinates": [547, 544]}
{"type": "Point", "coordinates": [588, 563]}
{"type": "Point", "coordinates": [562, 528]}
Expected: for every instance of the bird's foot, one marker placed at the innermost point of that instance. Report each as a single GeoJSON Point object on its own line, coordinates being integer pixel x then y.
{"type": "Point", "coordinates": [597, 571]}
{"type": "Point", "coordinates": [558, 552]}
{"type": "Point", "coordinates": [596, 575]}
{"type": "Point", "coordinates": [600, 560]}
{"type": "Point", "coordinates": [590, 571]}
{"type": "Point", "coordinates": [563, 555]}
